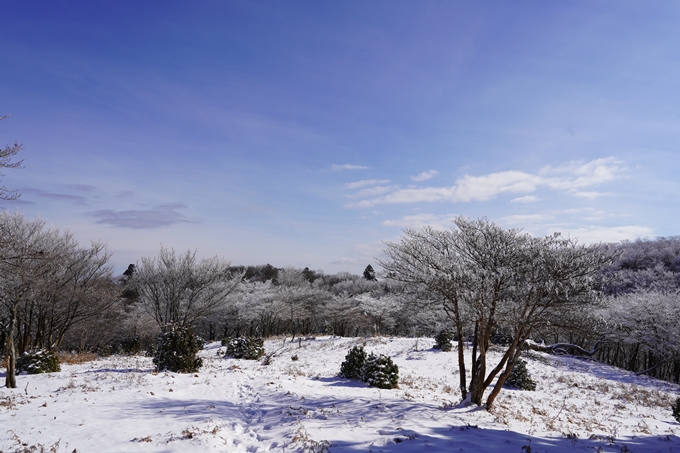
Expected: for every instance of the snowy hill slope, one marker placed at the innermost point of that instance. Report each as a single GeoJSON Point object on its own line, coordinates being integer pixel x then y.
{"type": "Point", "coordinates": [119, 404]}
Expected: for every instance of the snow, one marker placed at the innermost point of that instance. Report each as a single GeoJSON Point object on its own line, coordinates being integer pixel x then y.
{"type": "Point", "coordinates": [119, 404]}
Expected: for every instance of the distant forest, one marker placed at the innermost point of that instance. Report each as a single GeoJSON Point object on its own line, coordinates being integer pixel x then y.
{"type": "Point", "coordinates": [56, 294]}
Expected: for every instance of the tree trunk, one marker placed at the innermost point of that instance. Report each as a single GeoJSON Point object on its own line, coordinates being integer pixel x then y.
{"type": "Point", "coordinates": [478, 367]}
{"type": "Point", "coordinates": [10, 351]}
{"type": "Point", "coordinates": [502, 378]}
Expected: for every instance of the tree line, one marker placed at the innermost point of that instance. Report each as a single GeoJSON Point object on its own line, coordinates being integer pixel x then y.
{"type": "Point", "coordinates": [494, 288]}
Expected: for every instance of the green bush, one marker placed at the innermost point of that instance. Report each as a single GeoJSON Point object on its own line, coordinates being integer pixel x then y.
{"type": "Point", "coordinates": [38, 361]}
{"type": "Point", "coordinates": [249, 348]}
{"type": "Point", "coordinates": [501, 337]}
{"type": "Point", "coordinates": [519, 377]}
{"type": "Point", "coordinates": [443, 340]}
{"type": "Point", "coordinates": [353, 366]}
{"type": "Point", "coordinates": [131, 346]}
{"type": "Point", "coordinates": [176, 350]}
{"type": "Point", "coordinates": [379, 371]}
{"type": "Point", "coordinates": [676, 410]}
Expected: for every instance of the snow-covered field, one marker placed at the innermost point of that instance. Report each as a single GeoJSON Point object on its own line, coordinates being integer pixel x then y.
{"type": "Point", "coordinates": [118, 404]}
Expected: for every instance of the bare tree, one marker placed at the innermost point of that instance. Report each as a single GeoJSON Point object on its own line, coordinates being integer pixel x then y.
{"type": "Point", "coordinates": [303, 301]}
{"type": "Point", "coordinates": [179, 289]}
{"type": "Point", "coordinates": [77, 287]}
{"type": "Point", "coordinates": [380, 310]}
{"type": "Point", "coordinates": [6, 155]}
{"type": "Point", "coordinates": [26, 249]}
{"type": "Point", "coordinates": [486, 278]}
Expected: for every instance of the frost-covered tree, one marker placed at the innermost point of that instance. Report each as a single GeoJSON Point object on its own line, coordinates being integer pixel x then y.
{"type": "Point", "coordinates": [343, 316]}
{"type": "Point", "coordinates": [644, 264]}
{"type": "Point", "coordinates": [644, 327]}
{"type": "Point", "coordinates": [485, 277]}
{"type": "Point", "coordinates": [381, 311]}
{"type": "Point", "coordinates": [303, 301]}
{"type": "Point", "coordinates": [27, 248]}
{"type": "Point", "coordinates": [48, 285]}
{"type": "Point", "coordinates": [179, 289]}
{"type": "Point", "coordinates": [77, 288]}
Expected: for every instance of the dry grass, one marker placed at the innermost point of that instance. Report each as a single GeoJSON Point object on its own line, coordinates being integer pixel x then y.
{"type": "Point", "coordinates": [643, 397]}
{"type": "Point", "coordinates": [76, 358]}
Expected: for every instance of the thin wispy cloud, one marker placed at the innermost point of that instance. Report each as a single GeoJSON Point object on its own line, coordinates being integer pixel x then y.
{"type": "Point", "coordinates": [569, 177]}
{"type": "Point", "coordinates": [374, 191]}
{"type": "Point", "coordinates": [525, 199]}
{"type": "Point", "coordinates": [440, 222]}
{"type": "Point", "coordinates": [588, 195]}
{"type": "Point", "coordinates": [595, 234]}
{"type": "Point", "coordinates": [424, 176]}
{"type": "Point", "coordinates": [345, 260]}
{"type": "Point", "coordinates": [526, 219]}
{"type": "Point", "coordinates": [160, 216]}
{"type": "Point", "coordinates": [82, 187]}
{"type": "Point", "coordinates": [54, 196]}
{"type": "Point", "coordinates": [337, 167]}
{"type": "Point", "coordinates": [365, 182]}
{"type": "Point", "coordinates": [16, 202]}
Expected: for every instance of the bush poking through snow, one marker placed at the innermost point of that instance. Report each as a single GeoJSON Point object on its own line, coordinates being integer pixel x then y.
{"type": "Point", "coordinates": [249, 348]}
{"type": "Point", "coordinates": [38, 361]}
{"type": "Point", "coordinates": [380, 372]}
{"type": "Point", "coordinates": [176, 350]}
{"type": "Point", "coordinates": [443, 340]}
{"type": "Point", "coordinates": [353, 366]}
{"type": "Point", "coordinates": [377, 370]}
{"type": "Point", "coordinates": [519, 377]}
{"type": "Point", "coordinates": [676, 410]}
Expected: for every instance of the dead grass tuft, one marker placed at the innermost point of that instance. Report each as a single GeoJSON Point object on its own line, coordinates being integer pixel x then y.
{"type": "Point", "coordinates": [76, 358]}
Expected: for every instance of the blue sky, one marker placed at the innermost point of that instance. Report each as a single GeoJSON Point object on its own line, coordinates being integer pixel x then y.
{"type": "Point", "coordinates": [306, 133]}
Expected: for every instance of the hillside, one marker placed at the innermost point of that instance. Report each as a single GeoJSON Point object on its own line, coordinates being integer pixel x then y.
{"type": "Point", "coordinates": [119, 404]}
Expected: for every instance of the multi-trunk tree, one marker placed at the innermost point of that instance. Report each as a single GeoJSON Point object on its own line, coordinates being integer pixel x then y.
{"type": "Point", "coordinates": [488, 279]}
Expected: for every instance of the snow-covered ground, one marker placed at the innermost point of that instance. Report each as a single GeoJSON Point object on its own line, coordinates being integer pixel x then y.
{"type": "Point", "coordinates": [118, 404]}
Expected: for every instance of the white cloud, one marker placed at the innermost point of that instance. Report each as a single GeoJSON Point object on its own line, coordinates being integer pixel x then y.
{"type": "Point", "coordinates": [440, 222]}
{"type": "Point", "coordinates": [365, 182]}
{"type": "Point", "coordinates": [524, 219]}
{"type": "Point", "coordinates": [345, 260]}
{"type": "Point", "coordinates": [593, 234]}
{"type": "Point", "coordinates": [424, 176]}
{"type": "Point", "coordinates": [569, 177]}
{"type": "Point", "coordinates": [374, 191]}
{"type": "Point", "coordinates": [467, 188]}
{"type": "Point", "coordinates": [336, 167]}
{"type": "Point", "coordinates": [525, 199]}
{"type": "Point", "coordinates": [588, 195]}
{"type": "Point", "coordinates": [579, 174]}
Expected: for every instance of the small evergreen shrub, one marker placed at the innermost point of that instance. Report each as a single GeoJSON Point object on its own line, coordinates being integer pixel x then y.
{"type": "Point", "coordinates": [676, 410]}
{"type": "Point", "coordinates": [379, 371]}
{"type": "Point", "coordinates": [519, 377]}
{"type": "Point", "coordinates": [38, 361]}
{"type": "Point", "coordinates": [353, 366]}
{"type": "Point", "coordinates": [501, 337]}
{"type": "Point", "coordinates": [249, 348]}
{"type": "Point", "coordinates": [131, 346]}
{"type": "Point", "coordinates": [443, 340]}
{"type": "Point", "coordinates": [176, 350]}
